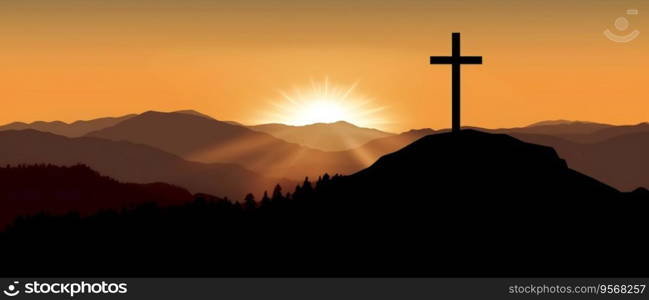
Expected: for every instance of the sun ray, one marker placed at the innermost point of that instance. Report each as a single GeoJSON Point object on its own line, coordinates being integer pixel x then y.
{"type": "Point", "coordinates": [349, 90]}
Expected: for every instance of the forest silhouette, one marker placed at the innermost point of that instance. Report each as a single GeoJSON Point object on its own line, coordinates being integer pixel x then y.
{"type": "Point", "coordinates": [30, 189]}
{"type": "Point", "coordinates": [467, 203]}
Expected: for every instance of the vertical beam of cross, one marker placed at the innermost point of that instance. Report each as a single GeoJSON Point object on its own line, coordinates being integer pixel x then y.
{"type": "Point", "coordinates": [455, 60]}
{"type": "Point", "coordinates": [455, 83]}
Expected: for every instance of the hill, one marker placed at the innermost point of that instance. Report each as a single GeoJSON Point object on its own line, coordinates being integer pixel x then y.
{"type": "Point", "coordinates": [487, 162]}
{"type": "Point", "coordinates": [131, 162]}
{"type": "Point", "coordinates": [615, 155]}
{"type": "Point", "coordinates": [27, 190]}
{"type": "Point", "coordinates": [336, 136]}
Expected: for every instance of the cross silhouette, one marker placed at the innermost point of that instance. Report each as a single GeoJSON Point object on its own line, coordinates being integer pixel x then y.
{"type": "Point", "coordinates": [455, 61]}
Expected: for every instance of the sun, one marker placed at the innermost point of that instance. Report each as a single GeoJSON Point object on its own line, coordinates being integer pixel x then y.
{"type": "Point", "coordinates": [324, 102]}
{"type": "Point", "coordinates": [321, 110]}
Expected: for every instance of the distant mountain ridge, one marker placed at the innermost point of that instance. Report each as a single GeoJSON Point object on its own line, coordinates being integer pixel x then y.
{"type": "Point", "coordinates": [337, 136]}
{"type": "Point", "coordinates": [82, 127]}
{"type": "Point", "coordinates": [611, 132]}
{"type": "Point", "coordinates": [564, 122]}
{"type": "Point", "coordinates": [562, 127]}
{"type": "Point", "coordinates": [621, 161]}
{"type": "Point", "coordinates": [74, 129]}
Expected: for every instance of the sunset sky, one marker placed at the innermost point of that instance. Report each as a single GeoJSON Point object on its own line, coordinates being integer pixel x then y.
{"type": "Point", "coordinates": [81, 59]}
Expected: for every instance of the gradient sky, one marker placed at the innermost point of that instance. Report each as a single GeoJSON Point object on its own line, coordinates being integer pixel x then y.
{"type": "Point", "coordinates": [81, 59]}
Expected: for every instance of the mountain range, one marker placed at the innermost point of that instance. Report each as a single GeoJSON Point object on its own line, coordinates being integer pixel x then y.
{"type": "Point", "coordinates": [131, 162]}
{"type": "Point", "coordinates": [621, 161]}
{"type": "Point", "coordinates": [74, 129]}
{"type": "Point", "coordinates": [612, 154]}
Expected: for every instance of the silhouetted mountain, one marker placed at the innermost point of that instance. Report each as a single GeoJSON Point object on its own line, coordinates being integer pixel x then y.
{"type": "Point", "coordinates": [27, 190]}
{"type": "Point", "coordinates": [471, 203]}
{"type": "Point", "coordinates": [561, 127]}
{"type": "Point", "coordinates": [620, 161]}
{"type": "Point", "coordinates": [185, 135]}
{"type": "Point", "coordinates": [552, 122]}
{"type": "Point", "coordinates": [130, 162]}
{"type": "Point", "coordinates": [336, 136]}
{"type": "Point", "coordinates": [577, 131]}
{"type": "Point", "coordinates": [234, 123]}
{"type": "Point", "coordinates": [75, 129]}
{"type": "Point", "coordinates": [193, 113]}
{"type": "Point", "coordinates": [381, 146]}
{"type": "Point", "coordinates": [81, 127]}
{"type": "Point", "coordinates": [200, 114]}
{"type": "Point", "coordinates": [207, 140]}
{"type": "Point", "coordinates": [611, 132]}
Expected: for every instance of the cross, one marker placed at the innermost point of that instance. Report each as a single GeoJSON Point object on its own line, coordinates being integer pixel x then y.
{"type": "Point", "coordinates": [455, 61]}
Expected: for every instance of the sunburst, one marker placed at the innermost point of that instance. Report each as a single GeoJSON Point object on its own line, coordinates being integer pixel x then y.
{"type": "Point", "coordinates": [324, 102]}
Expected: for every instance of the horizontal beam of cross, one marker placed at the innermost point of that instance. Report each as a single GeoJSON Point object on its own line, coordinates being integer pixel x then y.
{"type": "Point", "coordinates": [464, 60]}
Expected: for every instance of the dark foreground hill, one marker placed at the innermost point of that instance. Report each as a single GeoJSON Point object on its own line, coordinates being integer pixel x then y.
{"type": "Point", "coordinates": [490, 164]}
{"type": "Point", "coordinates": [54, 190]}
{"type": "Point", "coordinates": [615, 155]}
{"type": "Point", "coordinates": [449, 204]}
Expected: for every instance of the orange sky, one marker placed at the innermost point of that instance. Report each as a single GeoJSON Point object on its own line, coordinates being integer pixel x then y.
{"type": "Point", "coordinates": [73, 59]}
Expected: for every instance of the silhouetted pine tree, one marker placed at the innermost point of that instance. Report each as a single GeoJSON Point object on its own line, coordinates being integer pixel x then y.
{"type": "Point", "coordinates": [237, 206]}
{"type": "Point", "coordinates": [250, 202]}
{"type": "Point", "coordinates": [277, 193]}
{"type": "Point", "coordinates": [306, 186]}
{"type": "Point", "coordinates": [265, 201]}
{"type": "Point", "coordinates": [297, 194]}
{"type": "Point", "coordinates": [304, 191]}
